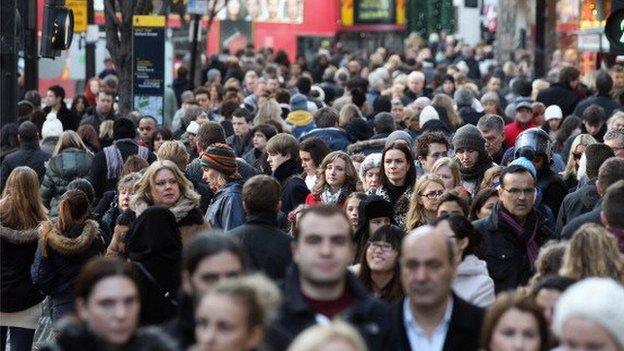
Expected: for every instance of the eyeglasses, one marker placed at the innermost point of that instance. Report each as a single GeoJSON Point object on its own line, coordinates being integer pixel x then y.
{"type": "Point", "coordinates": [433, 194]}
{"type": "Point", "coordinates": [381, 245]}
{"type": "Point", "coordinates": [517, 192]}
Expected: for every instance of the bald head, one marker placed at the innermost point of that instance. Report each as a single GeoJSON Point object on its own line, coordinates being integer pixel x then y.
{"type": "Point", "coordinates": [432, 236]}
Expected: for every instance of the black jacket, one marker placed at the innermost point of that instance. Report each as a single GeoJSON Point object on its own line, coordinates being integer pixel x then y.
{"type": "Point", "coordinates": [463, 333]}
{"type": "Point", "coordinates": [267, 247]}
{"type": "Point", "coordinates": [369, 315]}
{"type": "Point", "coordinates": [95, 118]}
{"type": "Point", "coordinates": [29, 154]}
{"type": "Point", "coordinates": [67, 118]}
{"type": "Point", "coordinates": [294, 189]}
{"type": "Point", "coordinates": [506, 258]}
{"type": "Point", "coordinates": [577, 203]}
{"type": "Point", "coordinates": [560, 95]}
{"type": "Point", "coordinates": [240, 146]}
{"type": "Point", "coordinates": [553, 189]}
{"type": "Point", "coordinates": [99, 168]}
{"type": "Point", "coordinates": [592, 216]}
{"type": "Point", "coordinates": [17, 252]}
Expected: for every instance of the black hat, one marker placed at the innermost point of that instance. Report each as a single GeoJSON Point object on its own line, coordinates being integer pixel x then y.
{"type": "Point", "coordinates": [376, 206]}
{"type": "Point", "coordinates": [124, 128]}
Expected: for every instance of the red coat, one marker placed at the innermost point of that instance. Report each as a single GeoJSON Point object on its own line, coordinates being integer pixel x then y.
{"type": "Point", "coordinates": [312, 199]}
{"type": "Point", "coordinates": [513, 129]}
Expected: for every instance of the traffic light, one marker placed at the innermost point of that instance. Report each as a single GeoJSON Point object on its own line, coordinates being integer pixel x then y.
{"type": "Point", "coordinates": [58, 28]}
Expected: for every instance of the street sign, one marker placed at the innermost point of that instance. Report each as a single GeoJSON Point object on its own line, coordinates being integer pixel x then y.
{"type": "Point", "coordinates": [79, 7]}
{"type": "Point", "coordinates": [614, 31]}
{"type": "Point", "coordinates": [197, 7]}
{"type": "Point", "coordinates": [148, 65]}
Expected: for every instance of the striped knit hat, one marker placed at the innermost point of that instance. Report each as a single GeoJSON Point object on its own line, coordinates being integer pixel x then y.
{"type": "Point", "coordinates": [222, 158]}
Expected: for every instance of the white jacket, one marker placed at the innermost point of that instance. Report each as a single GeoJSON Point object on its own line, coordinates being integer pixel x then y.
{"type": "Point", "coordinates": [473, 282]}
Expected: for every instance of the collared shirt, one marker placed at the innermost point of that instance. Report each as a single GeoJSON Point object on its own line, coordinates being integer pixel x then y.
{"type": "Point", "coordinates": [416, 335]}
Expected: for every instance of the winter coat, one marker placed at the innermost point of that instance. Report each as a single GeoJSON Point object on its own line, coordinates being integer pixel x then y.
{"type": "Point", "coordinates": [577, 203]}
{"type": "Point", "coordinates": [367, 314]}
{"type": "Point", "coordinates": [469, 115]}
{"type": "Point", "coordinates": [61, 169]}
{"type": "Point", "coordinates": [240, 146]}
{"type": "Point", "coordinates": [301, 121]}
{"type": "Point", "coordinates": [267, 247]}
{"type": "Point", "coordinates": [552, 188]}
{"type": "Point", "coordinates": [401, 206]}
{"type": "Point", "coordinates": [335, 138]}
{"type": "Point", "coordinates": [574, 224]}
{"type": "Point", "coordinates": [473, 282]}
{"type": "Point", "coordinates": [48, 144]}
{"type": "Point", "coordinates": [367, 147]}
{"type": "Point", "coordinates": [17, 252]}
{"type": "Point", "coordinates": [59, 259]}
{"type": "Point", "coordinates": [561, 95]}
{"type": "Point", "coordinates": [601, 100]}
{"type": "Point", "coordinates": [66, 116]}
{"type": "Point", "coordinates": [513, 129]}
{"type": "Point", "coordinates": [95, 118]}
{"type": "Point", "coordinates": [74, 335]}
{"type": "Point", "coordinates": [294, 189]}
{"type": "Point", "coordinates": [226, 209]}
{"type": "Point", "coordinates": [258, 160]}
{"type": "Point", "coordinates": [506, 258]}
{"type": "Point", "coordinates": [194, 171]}
{"type": "Point", "coordinates": [99, 169]}
{"type": "Point", "coordinates": [29, 154]}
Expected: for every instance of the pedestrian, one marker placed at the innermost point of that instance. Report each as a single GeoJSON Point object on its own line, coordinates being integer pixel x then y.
{"type": "Point", "coordinates": [451, 202]}
{"type": "Point", "coordinates": [577, 149]}
{"type": "Point", "coordinates": [424, 201]}
{"type": "Point", "coordinates": [29, 154]}
{"type": "Point", "coordinates": [472, 157]}
{"type": "Point", "coordinates": [257, 156]}
{"type": "Point", "coordinates": [335, 336]}
{"type": "Point", "coordinates": [448, 170]}
{"type": "Point", "coordinates": [374, 212]}
{"type": "Point", "coordinates": [352, 208]}
{"type": "Point", "coordinates": [483, 203]}
{"type": "Point", "coordinates": [312, 151]}
{"type": "Point", "coordinates": [336, 179]}
{"type": "Point", "coordinates": [283, 151]}
{"type": "Point", "coordinates": [55, 103]}
{"type": "Point", "coordinates": [120, 204]}
{"type": "Point", "coordinates": [547, 292]}
{"type": "Point", "coordinates": [370, 170]}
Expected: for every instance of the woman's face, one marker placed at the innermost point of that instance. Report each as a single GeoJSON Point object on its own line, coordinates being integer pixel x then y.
{"type": "Point", "coordinates": [336, 173]}
{"type": "Point", "coordinates": [376, 223]}
{"type": "Point", "coordinates": [490, 107]}
{"type": "Point", "coordinates": [124, 199]}
{"type": "Point", "coordinates": [222, 325]}
{"type": "Point", "coordinates": [112, 310]}
{"type": "Point", "coordinates": [165, 190]}
{"type": "Point", "coordinates": [202, 118]}
{"type": "Point", "coordinates": [94, 86]}
{"type": "Point", "coordinates": [446, 174]}
{"type": "Point", "coordinates": [214, 95]}
{"type": "Point", "coordinates": [259, 141]}
{"type": "Point", "coordinates": [450, 207]}
{"type": "Point", "coordinates": [395, 166]}
{"type": "Point", "coordinates": [80, 105]}
{"type": "Point", "coordinates": [486, 209]}
{"type": "Point", "coordinates": [577, 153]}
{"type": "Point", "coordinates": [307, 163]}
{"type": "Point", "coordinates": [158, 141]}
{"type": "Point", "coordinates": [516, 331]}
{"type": "Point", "coordinates": [352, 211]}
{"type": "Point", "coordinates": [553, 124]}
{"type": "Point", "coordinates": [381, 256]}
{"type": "Point", "coordinates": [371, 178]}
{"type": "Point", "coordinates": [430, 197]}
{"type": "Point", "coordinates": [585, 334]}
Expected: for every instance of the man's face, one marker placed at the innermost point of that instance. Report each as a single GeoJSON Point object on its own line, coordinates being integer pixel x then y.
{"type": "Point", "coordinates": [467, 157]}
{"type": "Point", "coordinates": [494, 85]}
{"type": "Point", "coordinates": [250, 81]}
{"type": "Point", "coordinates": [209, 272]}
{"type": "Point", "coordinates": [593, 129]}
{"type": "Point", "coordinates": [104, 103]}
{"type": "Point", "coordinates": [415, 85]}
{"type": "Point", "coordinates": [617, 145]}
{"type": "Point", "coordinates": [426, 269]}
{"type": "Point", "coordinates": [147, 127]}
{"type": "Point", "coordinates": [524, 115]}
{"type": "Point", "coordinates": [324, 249]}
{"type": "Point", "coordinates": [203, 100]}
{"type": "Point", "coordinates": [272, 85]}
{"type": "Point", "coordinates": [517, 193]}
{"type": "Point", "coordinates": [436, 152]}
{"type": "Point", "coordinates": [397, 113]}
{"type": "Point", "coordinates": [52, 100]}
{"type": "Point", "coordinates": [353, 67]}
{"type": "Point", "coordinates": [240, 125]}
{"type": "Point", "coordinates": [618, 80]}
{"type": "Point", "coordinates": [493, 141]}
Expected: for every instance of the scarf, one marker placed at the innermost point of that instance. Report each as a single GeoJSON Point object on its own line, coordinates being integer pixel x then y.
{"type": "Point", "coordinates": [525, 234]}
{"type": "Point", "coordinates": [475, 172]}
{"type": "Point", "coordinates": [328, 198]}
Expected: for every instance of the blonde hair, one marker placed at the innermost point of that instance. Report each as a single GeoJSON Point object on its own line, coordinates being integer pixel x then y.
{"type": "Point", "coordinates": [416, 215]}
{"type": "Point", "coordinates": [21, 206]}
{"type": "Point", "coordinates": [68, 139]}
{"type": "Point", "coordinates": [106, 129]}
{"type": "Point", "coordinates": [347, 113]}
{"type": "Point", "coordinates": [270, 110]}
{"type": "Point", "coordinates": [592, 252]}
{"type": "Point", "coordinates": [446, 102]}
{"type": "Point", "coordinates": [318, 336]}
{"type": "Point", "coordinates": [549, 260]}
{"type": "Point", "coordinates": [144, 185]}
{"type": "Point", "coordinates": [351, 176]}
{"type": "Point", "coordinates": [581, 139]}
{"type": "Point", "coordinates": [174, 151]}
{"type": "Point", "coordinates": [450, 163]}
{"type": "Point", "coordinates": [537, 86]}
{"type": "Point", "coordinates": [490, 175]}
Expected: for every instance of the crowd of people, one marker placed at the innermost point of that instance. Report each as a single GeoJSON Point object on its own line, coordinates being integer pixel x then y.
{"type": "Point", "coordinates": [422, 200]}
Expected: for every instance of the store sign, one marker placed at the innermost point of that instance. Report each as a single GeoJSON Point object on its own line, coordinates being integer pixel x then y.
{"type": "Point", "coordinates": [374, 11]}
{"type": "Point", "coordinates": [79, 7]}
{"type": "Point", "coordinates": [148, 65]}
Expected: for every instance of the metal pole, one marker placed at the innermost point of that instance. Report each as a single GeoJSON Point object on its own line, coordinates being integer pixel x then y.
{"type": "Point", "coordinates": [540, 39]}
{"type": "Point", "coordinates": [8, 62]}
{"type": "Point", "coordinates": [89, 47]}
{"type": "Point", "coordinates": [28, 11]}
{"type": "Point", "coordinates": [195, 29]}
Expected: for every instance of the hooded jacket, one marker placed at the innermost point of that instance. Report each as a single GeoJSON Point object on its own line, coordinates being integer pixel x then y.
{"type": "Point", "coordinates": [473, 282]}
{"type": "Point", "coordinates": [367, 147]}
{"type": "Point", "coordinates": [61, 169]}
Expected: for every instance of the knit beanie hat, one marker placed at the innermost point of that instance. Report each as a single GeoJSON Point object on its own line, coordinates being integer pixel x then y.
{"type": "Point", "coordinates": [192, 128]}
{"type": "Point", "coordinates": [553, 112]}
{"type": "Point", "coordinates": [221, 158]}
{"type": "Point", "coordinates": [400, 135]}
{"type": "Point", "coordinates": [427, 114]}
{"type": "Point", "coordinates": [298, 102]}
{"type": "Point", "coordinates": [593, 299]}
{"type": "Point", "coordinates": [469, 137]}
{"type": "Point", "coordinates": [124, 128]}
{"type": "Point", "coordinates": [52, 127]}
{"type": "Point", "coordinates": [463, 97]}
{"type": "Point", "coordinates": [596, 155]}
{"type": "Point", "coordinates": [526, 164]}
{"type": "Point", "coordinates": [371, 161]}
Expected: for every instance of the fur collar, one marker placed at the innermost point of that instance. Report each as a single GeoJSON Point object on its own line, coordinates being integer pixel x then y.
{"type": "Point", "coordinates": [17, 236]}
{"type": "Point", "coordinates": [179, 210]}
{"type": "Point", "coordinates": [360, 146]}
{"type": "Point", "coordinates": [50, 236]}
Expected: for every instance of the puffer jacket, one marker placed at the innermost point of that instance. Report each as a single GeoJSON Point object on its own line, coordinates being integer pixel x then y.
{"type": "Point", "coordinates": [473, 282]}
{"type": "Point", "coordinates": [61, 169]}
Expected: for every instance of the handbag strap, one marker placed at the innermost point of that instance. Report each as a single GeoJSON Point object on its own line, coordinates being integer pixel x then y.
{"type": "Point", "coordinates": [164, 292]}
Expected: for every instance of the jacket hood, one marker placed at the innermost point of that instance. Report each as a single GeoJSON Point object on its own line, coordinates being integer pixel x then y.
{"type": "Point", "coordinates": [17, 236]}
{"type": "Point", "coordinates": [365, 144]}
{"type": "Point", "coordinates": [471, 265]}
{"type": "Point", "coordinates": [589, 194]}
{"type": "Point", "coordinates": [71, 163]}
{"type": "Point", "coordinates": [66, 245]}
{"type": "Point", "coordinates": [300, 118]}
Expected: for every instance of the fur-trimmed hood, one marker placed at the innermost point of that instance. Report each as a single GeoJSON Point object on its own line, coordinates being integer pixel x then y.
{"type": "Point", "coordinates": [184, 205]}
{"type": "Point", "coordinates": [373, 144]}
{"type": "Point", "coordinates": [51, 237]}
{"type": "Point", "coordinates": [17, 236]}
